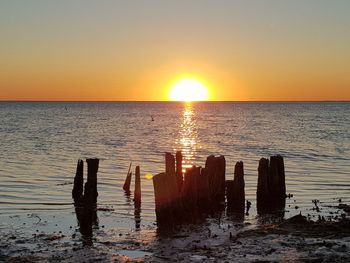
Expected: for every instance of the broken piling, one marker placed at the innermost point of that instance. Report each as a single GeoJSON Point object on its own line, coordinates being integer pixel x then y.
{"type": "Point", "coordinates": [271, 190]}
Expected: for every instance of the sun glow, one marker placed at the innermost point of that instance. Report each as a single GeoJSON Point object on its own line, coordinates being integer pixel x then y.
{"type": "Point", "coordinates": [188, 90]}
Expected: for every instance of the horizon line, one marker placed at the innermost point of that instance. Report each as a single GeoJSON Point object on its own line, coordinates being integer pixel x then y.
{"type": "Point", "coordinates": [291, 101]}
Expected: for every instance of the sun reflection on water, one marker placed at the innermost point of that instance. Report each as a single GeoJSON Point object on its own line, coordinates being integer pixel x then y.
{"type": "Point", "coordinates": [187, 140]}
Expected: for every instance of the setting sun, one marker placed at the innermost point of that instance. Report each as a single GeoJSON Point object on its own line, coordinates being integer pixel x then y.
{"type": "Point", "coordinates": [188, 90]}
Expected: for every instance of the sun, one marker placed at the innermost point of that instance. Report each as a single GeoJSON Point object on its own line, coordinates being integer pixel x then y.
{"type": "Point", "coordinates": [188, 90]}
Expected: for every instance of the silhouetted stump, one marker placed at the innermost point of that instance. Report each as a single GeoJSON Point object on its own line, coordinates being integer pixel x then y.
{"type": "Point", "coordinates": [173, 188]}
{"type": "Point", "coordinates": [190, 191]}
{"type": "Point", "coordinates": [179, 174]}
{"type": "Point", "coordinates": [263, 174]}
{"type": "Point", "coordinates": [271, 191]}
{"type": "Point", "coordinates": [203, 191]}
{"type": "Point", "coordinates": [169, 164]}
{"type": "Point", "coordinates": [77, 192]}
{"type": "Point", "coordinates": [170, 171]}
{"type": "Point", "coordinates": [90, 191]}
{"type": "Point", "coordinates": [282, 174]}
{"type": "Point", "coordinates": [235, 191]}
{"type": "Point", "coordinates": [277, 177]}
{"type": "Point", "coordinates": [162, 199]}
{"type": "Point", "coordinates": [86, 211]}
{"type": "Point", "coordinates": [215, 170]}
{"type": "Point", "coordinates": [127, 182]}
{"type": "Point", "coordinates": [137, 192]}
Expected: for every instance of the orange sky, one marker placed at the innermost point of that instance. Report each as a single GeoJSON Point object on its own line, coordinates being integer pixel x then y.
{"type": "Point", "coordinates": [135, 51]}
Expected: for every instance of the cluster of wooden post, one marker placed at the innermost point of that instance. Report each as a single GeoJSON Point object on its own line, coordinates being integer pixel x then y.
{"type": "Point", "coordinates": [182, 196]}
{"type": "Point", "coordinates": [271, 191]}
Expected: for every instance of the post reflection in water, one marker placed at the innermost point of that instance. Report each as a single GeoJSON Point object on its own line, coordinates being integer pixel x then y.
{"type": "Point", "coordinates": [137, 215]}
{"type": "Point", "coordinates": [87, 220]}
{"type": "Point", "coordinates": [188, 141]}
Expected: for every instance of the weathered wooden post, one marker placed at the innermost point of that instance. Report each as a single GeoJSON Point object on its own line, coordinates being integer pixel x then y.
{"type": "Point", "coordinates": [278, 182]}
{"type": "Point", "coordinates": [137, 193]}
{"type": "Point", "coordinates": [263, 174]}
{"type": "Point", "coordinates": [221, 170]}
{"type": "Point", "coordinates": [127, 182]}
{"type": "Point", "coordinates": [282, 181]}
{"type": "Point", "coordinates": [169, 164]}
{"type": "Point", "coordinates": [173, 188]}
{"type": "Point", "coordinates": [162, 199]}
{"type": "Point", "coordinates": [203, 191]}
{"type": "Point", "coordinates": [190, 191]}
{"type": "Point", "coordinates": [77, 192]}
{"type": "Point", "coordinates": [90, 191]}
{"type": "Point", "coordinates": [235, 191]}
{"type": "Point", "coordinates": [271, 190]}
{"type": "Point", "coordinates": [86, 211]}
{"type": "Point", "coordinates": [179, 175]}
{"type": "Point", "coordinates": [215, 170]}
{"type": "Point", "coordinates": [263, 201]}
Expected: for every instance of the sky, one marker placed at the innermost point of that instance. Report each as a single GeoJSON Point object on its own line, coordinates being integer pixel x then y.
{"type": "Point", "coordinates": [136, 50]}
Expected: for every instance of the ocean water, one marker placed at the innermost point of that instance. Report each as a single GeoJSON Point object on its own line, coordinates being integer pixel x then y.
{"type": "Point", "coordinates": [40, 143]}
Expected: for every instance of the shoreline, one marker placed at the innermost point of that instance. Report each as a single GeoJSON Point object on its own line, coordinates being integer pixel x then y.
{"type": "Point", "coordinates": [217, 239]}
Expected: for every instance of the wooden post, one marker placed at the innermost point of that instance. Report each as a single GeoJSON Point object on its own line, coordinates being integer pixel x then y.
{"type": "Point", "coordinates": [215, 170]}
{"type": "Point", "coordinates": [235, 191]}
{"type": "Point", "coordinates": [90, 191]}
{"type": "Point", "coordinates": [277, 184]}
{"type": "Point", "coordinates": [179, 174]}
{"type": "Point", "coordinates": [281, 171]}
{"type": "Point", "coordinates": [169, 164]}
{"type": "Point", "coordinates": [127, 182]}
{"type": "Point", "coordinates": [274, 180]}
{"type": "Point", "coordinates": [221, 170]}
{"type": "Point", "coordinates": [171, 182]}
{"type": "Point", "coordinates": [262, 193]}
{"type": "Point", "coordinates": [263, 174]}
{"type": "Point", "coordinates": [162, 199]}
{"type": "Point", "coordinates": [137, 193]}
{"type": "Point", "coordinates": [190, 190]}
{"type": "Point", "coordinates": [77, 192]}
{"type": "Point", "coordinates": [203, 191]}
{"type": "Point", "coordinates": [230, 195]}
{"type": "Point", "coordinates": [210, 173]}
{"type": "Point", "coordinates": [271, 191]}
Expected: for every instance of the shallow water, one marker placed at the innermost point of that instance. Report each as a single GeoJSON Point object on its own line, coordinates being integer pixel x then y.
{"type": "Point", "coordinates": [41, 143]}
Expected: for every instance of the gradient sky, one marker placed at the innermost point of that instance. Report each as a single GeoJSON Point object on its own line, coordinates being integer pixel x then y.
{"type": "Point", "coordinates": [134, 50]}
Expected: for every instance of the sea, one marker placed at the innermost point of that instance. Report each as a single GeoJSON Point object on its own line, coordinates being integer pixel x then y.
{"type": "Point", "coordinates": [41, 142]}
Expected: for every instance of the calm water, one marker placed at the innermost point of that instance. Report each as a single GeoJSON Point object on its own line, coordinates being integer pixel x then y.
{"type": "Point", "coordinates": [41, 143]}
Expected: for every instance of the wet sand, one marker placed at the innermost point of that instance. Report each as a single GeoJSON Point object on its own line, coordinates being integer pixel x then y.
{"type": "Point", "coordinates": [53, 238]}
